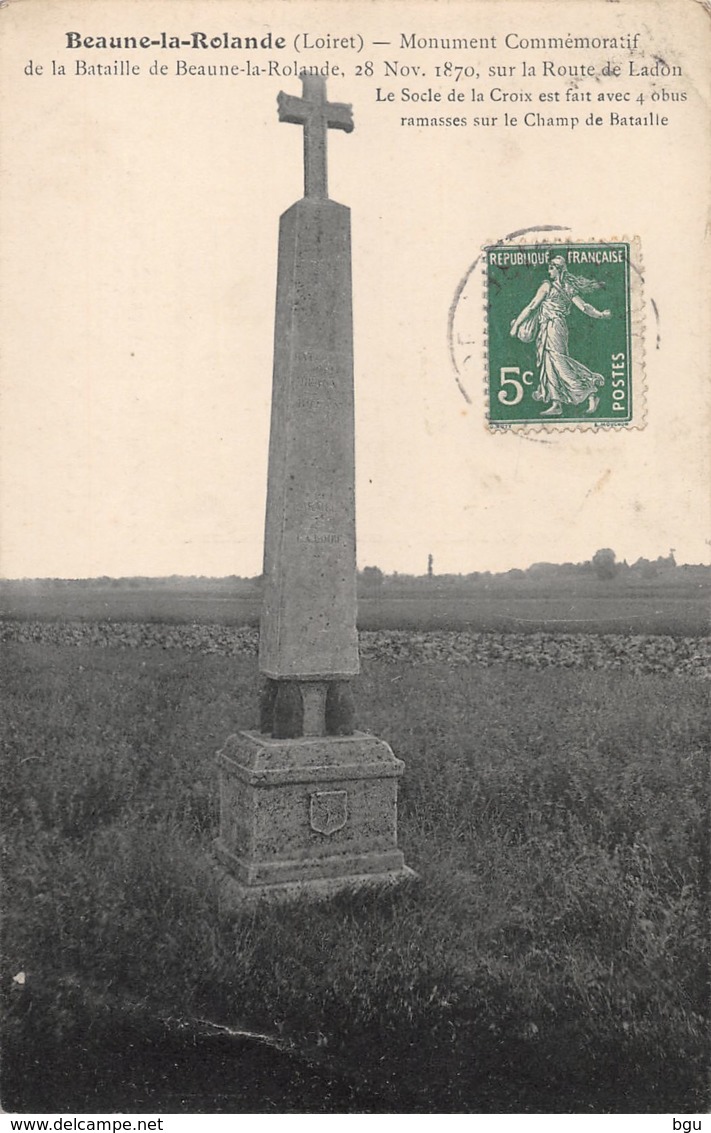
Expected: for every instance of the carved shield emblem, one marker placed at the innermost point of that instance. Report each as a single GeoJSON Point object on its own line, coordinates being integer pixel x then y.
{"type": "Point", "coordinates": [329, 811]}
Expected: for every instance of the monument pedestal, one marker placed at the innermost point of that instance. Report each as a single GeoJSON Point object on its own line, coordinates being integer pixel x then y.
{"type": "Point", "coordinates": [308, 805]}
{"type": "Point", "coordinates": [307, 817]}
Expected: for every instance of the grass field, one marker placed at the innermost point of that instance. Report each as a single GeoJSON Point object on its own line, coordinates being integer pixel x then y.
{"type": "Point", "coordinates": [589, 606]}
{"type": "Point", "coordinates": [552, 959]}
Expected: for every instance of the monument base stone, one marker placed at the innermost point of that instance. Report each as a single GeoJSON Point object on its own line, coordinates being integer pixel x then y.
{"type": "Point", "coordinates": [306, 817]}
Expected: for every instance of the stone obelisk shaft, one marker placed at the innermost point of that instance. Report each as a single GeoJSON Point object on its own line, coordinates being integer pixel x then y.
{"type": "Point", "coordinates": [308, 628]}
{"type": "Point", "coordinates": [308, 805]}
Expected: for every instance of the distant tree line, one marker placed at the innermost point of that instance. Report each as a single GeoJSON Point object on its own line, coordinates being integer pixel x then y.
{"type": "Point", "coordinates": [137, 582]}
{"type": "Point", "coordinates": [603, 566]}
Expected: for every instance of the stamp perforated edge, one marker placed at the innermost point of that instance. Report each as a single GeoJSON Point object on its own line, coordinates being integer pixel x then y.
{"type": "Point", "coordinates": [636, 328]}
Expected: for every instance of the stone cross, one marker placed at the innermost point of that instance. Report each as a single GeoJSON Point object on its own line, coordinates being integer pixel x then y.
{"type": "Point", "coordinates": [308, 640]}
{"type": "Point", "coordinates": [316, 115]}
{"type": "Point", "coordinates": [308, 804]}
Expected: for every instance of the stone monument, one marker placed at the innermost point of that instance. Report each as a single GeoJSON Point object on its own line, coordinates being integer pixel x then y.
{"type": "Point", "coordinates": [308, 805]}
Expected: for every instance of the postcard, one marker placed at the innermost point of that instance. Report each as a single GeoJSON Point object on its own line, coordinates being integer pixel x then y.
{"type": "Point", "coordinates": [453, 259]}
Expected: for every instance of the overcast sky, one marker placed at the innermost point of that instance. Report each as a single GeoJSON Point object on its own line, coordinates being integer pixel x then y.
{"type": "Point", "coordinates": [139, 251]}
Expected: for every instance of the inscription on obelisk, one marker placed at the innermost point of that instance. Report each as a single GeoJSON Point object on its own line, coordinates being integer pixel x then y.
{"type": "Point", "coordinates": [308, 639]}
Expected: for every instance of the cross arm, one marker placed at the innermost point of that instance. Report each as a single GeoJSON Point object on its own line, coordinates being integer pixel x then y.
{"type": "Point", "coordinates": [291, 108]}
{"type": "Point", "coordinates": [339, 116]}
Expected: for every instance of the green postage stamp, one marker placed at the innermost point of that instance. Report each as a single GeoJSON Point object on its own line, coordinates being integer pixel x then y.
{"type": "Point", "coordinates": [564, 335]}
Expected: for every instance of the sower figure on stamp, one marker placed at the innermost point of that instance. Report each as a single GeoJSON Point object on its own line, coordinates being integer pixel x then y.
{"type": "Point", "coordinates": [561, 379]}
